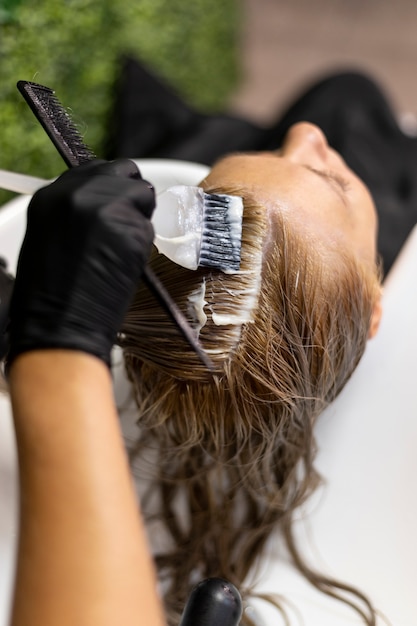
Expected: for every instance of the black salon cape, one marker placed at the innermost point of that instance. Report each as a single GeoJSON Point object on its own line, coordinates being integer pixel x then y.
{"type": "Point", "coordinates": [149, 120]}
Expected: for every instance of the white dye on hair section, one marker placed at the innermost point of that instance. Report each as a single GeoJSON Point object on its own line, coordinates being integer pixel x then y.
{"type": "Point", "coordinates": [246, 300]}
{"type": "Point", "coordinates": [218, 305]}
{"type": "Point", "coordinates": [196, 304]}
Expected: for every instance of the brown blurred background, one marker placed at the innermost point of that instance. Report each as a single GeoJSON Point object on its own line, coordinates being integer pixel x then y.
{"type": "Point", "coordinates": [287, 44]}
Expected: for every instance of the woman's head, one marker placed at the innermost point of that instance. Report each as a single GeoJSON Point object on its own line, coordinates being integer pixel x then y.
{"type": "Point", "coordinates": [308, 184]}
{"type": "Point", "coordinates": [302, 197]}
{"type": "Point", "coordinates": [285, 334]}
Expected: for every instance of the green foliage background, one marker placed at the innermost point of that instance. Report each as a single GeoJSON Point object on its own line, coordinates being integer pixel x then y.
{"type": "Point", "coordinates": [73, 46]}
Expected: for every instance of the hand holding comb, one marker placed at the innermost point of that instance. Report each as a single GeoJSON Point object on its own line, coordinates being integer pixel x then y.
{"type": "Point", "coordinates": [65, 136]}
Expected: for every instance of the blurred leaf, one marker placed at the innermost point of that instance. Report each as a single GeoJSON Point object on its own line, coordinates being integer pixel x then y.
{"type": "Point", "coordinates": [7, 10]}
{"type": "Point", "coordinates": [74, 46]}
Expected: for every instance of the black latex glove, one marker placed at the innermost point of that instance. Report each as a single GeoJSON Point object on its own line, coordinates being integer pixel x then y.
{"type": "Point", "coordinates": [6, 289]}
{"type": "Point", "coordinates": [87, 241]}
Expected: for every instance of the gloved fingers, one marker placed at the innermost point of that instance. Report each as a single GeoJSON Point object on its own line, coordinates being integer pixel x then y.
{"type": "Point", "coordinates": [125, 168]}
{"type": "Point", "coordinates": [143, 196]}
{"type": "Point", "coordinates": [95, 184]}
{"type": "Point", "coordinates": [122, 168]}
{"type": "Point", "coordinates": [105, 191]}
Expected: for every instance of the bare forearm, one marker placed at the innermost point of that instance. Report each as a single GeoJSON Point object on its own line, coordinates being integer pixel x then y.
{"type": "Point", "coordinates": [82, 553]}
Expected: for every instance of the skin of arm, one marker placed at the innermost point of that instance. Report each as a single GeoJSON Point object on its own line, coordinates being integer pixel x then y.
{"type": "Point", "coordinates": [83, 556]}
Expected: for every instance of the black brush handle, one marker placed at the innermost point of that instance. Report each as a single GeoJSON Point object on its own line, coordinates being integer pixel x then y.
{"type": "Point", "coordinates": [165, 300]}
{"type": "Point", "coordinates": [213, 602]}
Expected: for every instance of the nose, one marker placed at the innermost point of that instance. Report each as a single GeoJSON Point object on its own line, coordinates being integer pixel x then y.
{"type": "Point", "coordinates": [305, 143]}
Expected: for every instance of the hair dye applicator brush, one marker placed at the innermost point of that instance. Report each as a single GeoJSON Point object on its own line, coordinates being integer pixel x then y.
{"type": "Point", "coordinates": [192, 228]}
{"type": "Point", "coordinates": [198, 229]}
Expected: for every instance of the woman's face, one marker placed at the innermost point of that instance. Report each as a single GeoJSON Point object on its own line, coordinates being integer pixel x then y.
{"type": "Point", "coordinates": [311, 185]}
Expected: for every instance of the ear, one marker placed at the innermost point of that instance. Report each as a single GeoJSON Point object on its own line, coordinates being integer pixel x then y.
{"type": "Point", "coordinates": [375, 318]}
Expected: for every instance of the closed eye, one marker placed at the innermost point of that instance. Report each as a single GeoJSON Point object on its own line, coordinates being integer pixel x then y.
{"type": "Point", "coordinates": [341, 184]}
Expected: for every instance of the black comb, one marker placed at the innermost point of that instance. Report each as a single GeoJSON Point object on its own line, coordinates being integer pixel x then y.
{"type": "Point", "coordinates": [56, 122]}
{"type": "Point", "coordinates": [68, 141]}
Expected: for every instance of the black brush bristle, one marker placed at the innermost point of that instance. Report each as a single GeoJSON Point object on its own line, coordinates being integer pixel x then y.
{"type": "Point", "coordinates": [56, 122]}
{"type": "Point", "coordinates": [222, 234]}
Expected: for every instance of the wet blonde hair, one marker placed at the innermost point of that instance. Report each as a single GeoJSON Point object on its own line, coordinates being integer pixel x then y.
{"type": "Point", "coordinates": [238, 447]}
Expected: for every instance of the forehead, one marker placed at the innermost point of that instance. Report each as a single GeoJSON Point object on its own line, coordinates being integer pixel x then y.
{"type": "Point", "coordinates": [275, 181]}
{"type": "Point", "coordinates": [248, 167]}
{"type": "Point", "coordinates": [330, 216]}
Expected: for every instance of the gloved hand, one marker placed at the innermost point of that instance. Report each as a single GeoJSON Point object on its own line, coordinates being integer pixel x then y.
{"type": "Point", "coordinates": [87, 241]}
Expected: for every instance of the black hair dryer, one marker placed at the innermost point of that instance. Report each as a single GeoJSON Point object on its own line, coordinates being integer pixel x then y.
{"type": "Point", "coordinates": [213, 602]}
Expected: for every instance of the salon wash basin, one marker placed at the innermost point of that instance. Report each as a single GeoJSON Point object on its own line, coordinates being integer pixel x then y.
{"type": "Point", "coordinates": [360, 527]}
